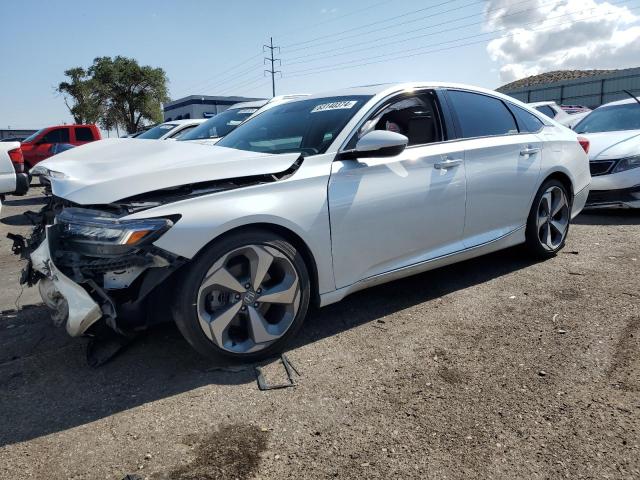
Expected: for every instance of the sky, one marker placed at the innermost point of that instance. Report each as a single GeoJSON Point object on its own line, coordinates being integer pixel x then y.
{"type": "Point", "coordinates": [209, 47]}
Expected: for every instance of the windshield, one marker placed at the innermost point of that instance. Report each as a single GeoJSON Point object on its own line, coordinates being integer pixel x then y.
{"type": "Point", "coordinates": [33, 136]}
{"type": "Point", "coordinates": [611, 119]}
{"type": "Point", "coordinates": [305, 126]}
{"type": "Point", "coordinates": [221, 124]}
{"type": "Point", "coordinates": [157, 131]}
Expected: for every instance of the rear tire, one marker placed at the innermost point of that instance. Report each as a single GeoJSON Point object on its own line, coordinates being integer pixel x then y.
{"type": "Point", "coordinates": [243, 297]}
{"type": "Point", "coordinates": [548, 221]}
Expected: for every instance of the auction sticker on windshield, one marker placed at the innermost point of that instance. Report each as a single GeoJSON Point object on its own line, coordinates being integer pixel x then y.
{"type": "Point", "coordinates": [248, 110]}
{"type": "Point", "coordinates": [345, 105]}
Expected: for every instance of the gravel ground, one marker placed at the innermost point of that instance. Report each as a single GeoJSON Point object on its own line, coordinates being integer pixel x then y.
{"type": "Point", "coordinates": [493, 368]}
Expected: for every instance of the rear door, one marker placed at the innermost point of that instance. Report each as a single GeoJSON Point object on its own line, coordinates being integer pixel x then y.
{"type": "Point", "coordinates": [502, 165]}
{"type": "Point", "coordinates": [83, 135]}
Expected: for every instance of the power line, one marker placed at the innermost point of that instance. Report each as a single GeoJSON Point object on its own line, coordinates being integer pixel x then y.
{"type": "Point", "coordinates": [376, 23]}
{"type": "Point", "coordinates": [387, 43]}
{"type": "Point", "coordinates": [348, 65]}
{"type": "Point", "coordinates": [272, 60]}
{"type": "Point", "coordinates": [384, 39]}
{"type": "Point", "coordinates": [330, 20]}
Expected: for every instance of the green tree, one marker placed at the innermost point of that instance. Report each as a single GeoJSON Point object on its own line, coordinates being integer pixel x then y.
{"type": "Point", "coordinates": [80, 96]}
{"type": "Point", "coordinates": [130, 94]}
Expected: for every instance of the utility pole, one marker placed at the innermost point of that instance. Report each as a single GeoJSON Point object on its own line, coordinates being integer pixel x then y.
{"type": "Point", "coordinates": [272, 60]}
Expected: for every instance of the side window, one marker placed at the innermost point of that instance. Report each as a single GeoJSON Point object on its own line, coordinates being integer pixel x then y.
{"type": "Point", "coordinates": [547, 110]}
{"type": "Point", "coordinates": [415, 117]}
{"type": "Point", "coordinates": [527, 122]}
{"type": "Point", "coordinates": [481, 115]}
{"type": "Point", "coordinates": [58, 135]}
{"type": "Point", "coordinates": [183, 131]}
{"type": "Point", "coordinates": [84, 134]}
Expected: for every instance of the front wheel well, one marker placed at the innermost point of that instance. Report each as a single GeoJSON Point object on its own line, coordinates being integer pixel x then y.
{"type": "Point", "coordinates": [299, 244]}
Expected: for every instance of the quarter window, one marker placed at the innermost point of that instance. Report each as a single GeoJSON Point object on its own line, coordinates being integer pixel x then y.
{"type": "Point", "coordinates": [59, 135]}
{"type": "Point", "coordinates": [481, 115]}
{"type": "Point", "coordinates": [84, 134]}
{"type": "Point", "coordinates": [527, 122]}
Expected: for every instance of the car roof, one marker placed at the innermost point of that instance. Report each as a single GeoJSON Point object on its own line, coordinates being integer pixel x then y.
{"type": "Point", "coordinates": [191, 121]}
{"type": "Point", "coordinates": [620, 102]}
{"type": "Point", "coordinates": [253, 104]}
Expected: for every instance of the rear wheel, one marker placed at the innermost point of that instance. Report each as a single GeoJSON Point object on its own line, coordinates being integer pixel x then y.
{"type": "Point", "coordinates": [548, 222]}
{"type": "Point", "coordinates": [244, 297]}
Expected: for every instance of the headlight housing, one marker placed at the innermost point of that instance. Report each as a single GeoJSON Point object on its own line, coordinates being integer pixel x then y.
{"type": "Point", "coordinates": [627, 164]}
{"type": "Point", "coordinates": [102, 233]}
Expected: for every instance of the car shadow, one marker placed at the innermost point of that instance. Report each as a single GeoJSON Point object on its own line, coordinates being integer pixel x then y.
{"type": "Point", "coordinates": [19, 220]}
{"type": "Point", "coordinates": [24, 202]}
{"type": "Point", "coordinates": [47, 385]}
{"type": "Point", "coordinates": [608, 217]}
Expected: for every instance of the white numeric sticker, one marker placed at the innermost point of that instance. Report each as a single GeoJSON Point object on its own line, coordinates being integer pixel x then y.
{"type": "Point", "coordinates": [334, 106]}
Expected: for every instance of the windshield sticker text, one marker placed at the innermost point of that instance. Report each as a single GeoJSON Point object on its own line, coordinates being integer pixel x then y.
{"type": "Point", "coordinates": [346, 105]}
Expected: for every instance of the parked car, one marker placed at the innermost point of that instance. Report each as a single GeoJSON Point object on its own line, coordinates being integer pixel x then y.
{"type": "Point", "coordinates": [614, 133]}
{"type": "Point", "coordinates": [217, 127]}
{"type": "Point", "coordinates": [574, 109]}
{"type": "Point", "coordinates": [560, 113]}
{"type": "Point", "coordinates": [13, 180]}
{"type": "Point", "coordinates": [303, 204]}
{"type": "Point", "coordinates": [37, 147]}
{"type": "Point", "coordinates": [172, 130]}
{"type": "Point", "coordinates": [574, 119]}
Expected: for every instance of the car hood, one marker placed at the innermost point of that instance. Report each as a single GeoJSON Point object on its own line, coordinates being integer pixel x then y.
{"type": "Point", "coordinates": [110, 170]}
{"type": "Point", "coordinates": [606, 145]}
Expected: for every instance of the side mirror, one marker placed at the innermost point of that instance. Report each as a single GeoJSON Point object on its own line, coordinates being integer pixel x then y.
{"type": "Point", "coordinates": [378, 143]}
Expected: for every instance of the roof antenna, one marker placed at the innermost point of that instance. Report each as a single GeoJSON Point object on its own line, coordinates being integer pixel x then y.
{"type": "Point", "coordinates": [631, 95]}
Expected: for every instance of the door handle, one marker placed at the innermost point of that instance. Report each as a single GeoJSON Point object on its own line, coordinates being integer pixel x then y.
{"type": "Point", "coordinates": [447, 163]}
{"type": "Point", "coordinates": [528, 150]}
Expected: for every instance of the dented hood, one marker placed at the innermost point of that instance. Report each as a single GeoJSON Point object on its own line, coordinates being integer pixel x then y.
{"type": "Point", "coordinates": [109, 170]}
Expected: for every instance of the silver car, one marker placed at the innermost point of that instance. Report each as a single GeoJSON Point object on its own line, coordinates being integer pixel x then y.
{"type": "Point", "coordinates": [301, 205]}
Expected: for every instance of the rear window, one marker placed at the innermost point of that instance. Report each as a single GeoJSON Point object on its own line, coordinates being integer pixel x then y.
{"type": "Point", "coordinates": [482, 116]}
{"type": "Point", "coordinates": [58, 135]}
{"type": "Point", "coordinates": [84, 134]}
{"type": "Point", "coordinates": [546, 110]}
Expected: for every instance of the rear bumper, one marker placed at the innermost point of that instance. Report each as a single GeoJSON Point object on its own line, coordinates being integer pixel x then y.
{"type": "Point", "coordinates": [579, 201]}
{"type": "Point", "coordinates": [69, 302]}
{"type": "Point", "coordinates": [619, 198]}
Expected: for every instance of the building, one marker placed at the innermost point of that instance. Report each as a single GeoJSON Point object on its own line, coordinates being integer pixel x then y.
{"type": "Point", "coordinates": [15, 133]}
{"type": "Point", "coordinates": [200, 106]}
{"type": "Point", "coordinates": [590, 88]}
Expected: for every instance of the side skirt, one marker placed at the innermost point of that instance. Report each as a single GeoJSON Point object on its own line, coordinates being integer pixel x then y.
{"type": "Point", "coordinates": [511, 239]}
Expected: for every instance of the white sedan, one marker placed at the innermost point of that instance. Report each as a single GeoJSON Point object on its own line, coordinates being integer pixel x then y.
{"type": "Point", "coordinates": [614, 133]}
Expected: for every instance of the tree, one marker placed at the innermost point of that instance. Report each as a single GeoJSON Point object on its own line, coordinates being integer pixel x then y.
{"type": "Point", "coordinates": [80, 90]}
{"type": "Point", "coordinates": [130, 93]}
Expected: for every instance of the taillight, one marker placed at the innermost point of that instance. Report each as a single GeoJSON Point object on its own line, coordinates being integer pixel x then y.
{"type": "Point", "coordinates": [584, 143]}
{"type": "Point", "coordinates": [17, 159]}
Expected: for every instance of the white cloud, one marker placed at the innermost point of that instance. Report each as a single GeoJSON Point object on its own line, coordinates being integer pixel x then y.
{"type": "Point", "coordinates": [545, 35]}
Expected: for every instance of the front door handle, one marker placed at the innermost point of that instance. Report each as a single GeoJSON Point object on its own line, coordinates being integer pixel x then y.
{"type": "Point", "coordinates": [447, 163]}
{"type": "Point", "coordinates": [528, 150]}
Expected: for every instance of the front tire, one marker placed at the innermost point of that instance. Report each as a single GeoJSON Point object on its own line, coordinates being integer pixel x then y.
{"type": "Point", "coordinates": [549, 219]}
{"type": "Point", "coordinates": [243, 297]}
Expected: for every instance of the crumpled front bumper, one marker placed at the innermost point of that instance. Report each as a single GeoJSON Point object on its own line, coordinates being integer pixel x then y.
{"type": "Point", "coordinates": [69, 302]}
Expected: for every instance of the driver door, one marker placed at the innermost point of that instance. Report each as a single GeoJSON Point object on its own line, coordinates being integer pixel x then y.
{"type": "Point", "coordinates": [389, 213]}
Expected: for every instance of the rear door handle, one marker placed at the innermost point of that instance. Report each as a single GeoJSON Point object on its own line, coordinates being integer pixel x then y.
{"type": "Point", "coordinates": [447, 163]}
{"type": "Point", "coordinates": [528, 150]}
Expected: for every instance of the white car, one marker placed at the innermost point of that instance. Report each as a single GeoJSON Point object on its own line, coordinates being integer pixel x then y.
{"type": "Point", "coordinates": [12, 178]}
{"type": "Point", "coordinates": [211, 131]}
{"type": "Point", "coordinates": [557, 113]}
{"type": "Point", "coordinates": [613, 131]}
{"type": "Point", "coordinates": [172, 130]}
{"type": "Point", "coordinates": [304, 203]}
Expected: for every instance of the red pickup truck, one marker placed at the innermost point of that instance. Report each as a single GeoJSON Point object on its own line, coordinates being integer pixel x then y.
{"type": "Point", "coordinates": [39, 146]}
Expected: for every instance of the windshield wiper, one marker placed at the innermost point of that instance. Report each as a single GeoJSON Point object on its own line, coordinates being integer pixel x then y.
{"type": "Point", "coordinates": [631, 95]}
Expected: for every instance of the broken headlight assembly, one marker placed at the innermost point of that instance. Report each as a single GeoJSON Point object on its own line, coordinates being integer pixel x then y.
{"type": "Point", "coordinates": [98, 233]}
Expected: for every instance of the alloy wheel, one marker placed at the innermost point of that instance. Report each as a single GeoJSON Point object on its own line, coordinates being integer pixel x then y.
{"type": "Point", "coordinates": [248, 299]}
{"type": "Point", "coordinates": [553, 218]}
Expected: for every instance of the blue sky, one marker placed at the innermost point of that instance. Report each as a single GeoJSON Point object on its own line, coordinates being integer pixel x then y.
{"type": "Point", "coordinates": [196, 41]}
{"type": "Point", "coordinates": [212, 47]}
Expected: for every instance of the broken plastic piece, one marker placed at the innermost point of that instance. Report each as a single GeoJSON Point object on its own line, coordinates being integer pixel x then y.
{"type": "Point", "coordinates": [289, 368]}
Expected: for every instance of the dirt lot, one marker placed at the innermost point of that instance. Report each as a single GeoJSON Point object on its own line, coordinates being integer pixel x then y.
{"type": "Point", "coordinates": [494, 368]}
